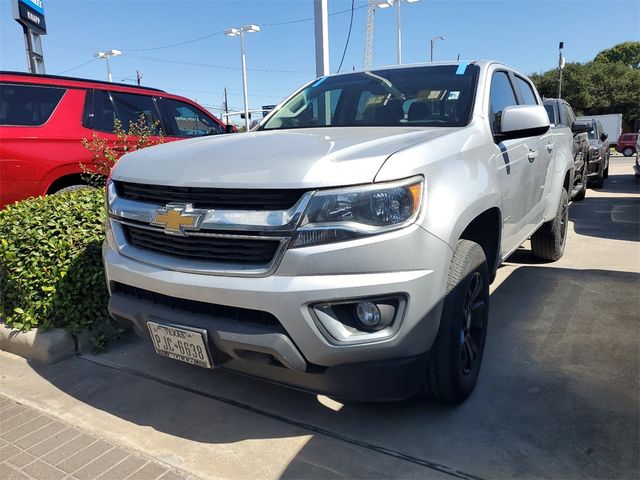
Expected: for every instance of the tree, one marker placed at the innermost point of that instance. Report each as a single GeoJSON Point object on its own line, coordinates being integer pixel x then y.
{"type": "Point", "coordinates": [627, 53]}
{"type": "Point", "coordinates": [598, 87]}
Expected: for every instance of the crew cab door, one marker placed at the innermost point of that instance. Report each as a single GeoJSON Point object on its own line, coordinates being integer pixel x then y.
{"type": "Point", "coordinates": [517, 173]}
{"type": "Point", "coordinates": [539, 155]}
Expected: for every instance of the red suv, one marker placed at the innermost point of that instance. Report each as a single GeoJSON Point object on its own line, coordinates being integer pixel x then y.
{"type": "Point", "coordinates": [44, 117]}
{"type": "Point", "coordinates": [627, 144]}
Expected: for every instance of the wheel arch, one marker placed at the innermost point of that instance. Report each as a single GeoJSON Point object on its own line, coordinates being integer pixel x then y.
{"type": "Point", "coordinates": [486, 230]}
{"type": "Point", "coordinates": [65, 181]}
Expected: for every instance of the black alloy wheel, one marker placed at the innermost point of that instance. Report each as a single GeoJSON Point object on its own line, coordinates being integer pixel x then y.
{"type": "Point", "coordinates": [472, 323]}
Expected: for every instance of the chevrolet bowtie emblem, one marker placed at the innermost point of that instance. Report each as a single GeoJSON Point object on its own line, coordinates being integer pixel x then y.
{"type": "Point", "coordinates": [176, 218]}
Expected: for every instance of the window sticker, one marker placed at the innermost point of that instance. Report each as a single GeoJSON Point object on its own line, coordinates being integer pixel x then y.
{"type": "Point", "coordinates": [461, 68]}
{"type": "Point", "coordinates": [319, 81]}
{"type": "Point", "coordinates": [454, 95]}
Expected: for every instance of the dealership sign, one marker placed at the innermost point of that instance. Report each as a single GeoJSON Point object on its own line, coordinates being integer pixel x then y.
{"type": "Point", "coordinates": [30, 13]}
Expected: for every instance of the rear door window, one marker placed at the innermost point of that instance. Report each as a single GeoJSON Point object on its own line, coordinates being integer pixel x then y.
{"type": "Point", "coordinates": [130, 107]}
{"type": "Point", "coordinates": [184, 120]}
{"type": "Point", "coordinates": [528, 97]}
{"type": "Point", "coordinates": [568, 116]}
{"type": "Point", "coordinates": [551, 111]}
{"type": "Point", "coordinates": [102, 108]}
{"type": "Point", "coordinates": [28, 105]}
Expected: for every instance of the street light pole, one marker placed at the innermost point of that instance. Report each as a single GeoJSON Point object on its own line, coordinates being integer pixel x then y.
{"type": "Point", "coordinates": [399, 28]}
{"type": "Point", "coordinates": [232, 32]}
{"type": "Point", "coordinates": [244, 82]}
{"type": "Point", "coordinates": [433, 41]}
{"type": "Point", "coordinates": [391, 3]}
{"type": "Point", "coordinates": [106, 55]}
{"type": "Point", "coordinates": [560, 67]}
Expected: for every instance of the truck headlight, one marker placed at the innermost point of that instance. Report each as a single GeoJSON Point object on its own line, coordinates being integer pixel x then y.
{"type": "Point", "coordinates": [348, 213]}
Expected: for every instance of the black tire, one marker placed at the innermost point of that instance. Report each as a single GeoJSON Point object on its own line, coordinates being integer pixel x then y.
{"type": "Point", "coordinates": [456, 355]}
{"type": "Point", "coordinates": [605, 172]}
{"type": "Point", "coordinates": [71, 188]}
{"type": "Point", "coordinates": [598, 180]}
{"type": "Point", "coordinates": [582, 192]}
{"type": "Point", "coordinates": [628, 151]}
{"type": "Point", "coordinates": [549, 241]}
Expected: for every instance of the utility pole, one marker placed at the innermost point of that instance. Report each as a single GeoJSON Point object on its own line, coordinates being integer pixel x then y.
{"type": "Point", "coordinates": [226, 106]}
{"type": "Point", "coordinates": [368, 36]}
{"type": "Point", "coordinates": [321, 17]}
{"type": "Point", "coordinates": [560, 67]}
{"type": "Point", "coordinates": [138, 77]}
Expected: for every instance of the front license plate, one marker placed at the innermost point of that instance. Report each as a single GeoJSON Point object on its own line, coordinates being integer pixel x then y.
{"type": "Point", "coordinates": [188, 346]}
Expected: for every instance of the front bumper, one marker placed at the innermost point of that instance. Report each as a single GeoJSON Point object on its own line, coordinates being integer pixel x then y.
{"type": "Point", "coordinates": [299, 353]}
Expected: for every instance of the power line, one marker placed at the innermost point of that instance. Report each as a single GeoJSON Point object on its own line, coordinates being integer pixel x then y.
{"type": "Point", "coordinates": [346, 45]}
{"type": "Point", "coordinates": [219, 67]}
{"type": "Point", "coordinates": [77, 66]}
{"type": "Point", "coordinates": [272, 24]}
{"type": "Point", "coordinates": [186, 42]}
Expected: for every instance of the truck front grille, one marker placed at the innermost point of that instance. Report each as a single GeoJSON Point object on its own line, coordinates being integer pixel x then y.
{"type": "Point", "coordinates": [211, 198]}
{"type": "Point", "coordinates": [204, 248]}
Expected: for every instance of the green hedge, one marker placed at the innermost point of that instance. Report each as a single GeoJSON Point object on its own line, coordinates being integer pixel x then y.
{"type": "Point", "coordinates": [51, 271]}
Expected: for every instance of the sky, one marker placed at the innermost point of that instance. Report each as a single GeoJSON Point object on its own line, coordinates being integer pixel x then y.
{"type": "Point", "coordinates": [179, 45]}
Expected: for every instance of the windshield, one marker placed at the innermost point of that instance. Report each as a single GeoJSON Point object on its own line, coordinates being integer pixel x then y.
{"type": "Point", "coordinates": [592, 131]}
{"type": "Point", "coordinates": [431, 96]}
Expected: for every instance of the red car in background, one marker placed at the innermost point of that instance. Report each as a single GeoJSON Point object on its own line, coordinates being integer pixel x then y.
{"type": "Point", "coordinates": [44, 117]}
{"type": "Point", "coordinates": [627, 144]}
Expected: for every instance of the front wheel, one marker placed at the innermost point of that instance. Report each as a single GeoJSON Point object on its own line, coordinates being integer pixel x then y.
{"type": "Point", "coordinates": [548, 242]}
{"type": "Point", "coordinates": [605, 173]}
{"type": "Point", "coordinates": [627, 152]}
{"type": "Point", "coordinates": [455, 357]}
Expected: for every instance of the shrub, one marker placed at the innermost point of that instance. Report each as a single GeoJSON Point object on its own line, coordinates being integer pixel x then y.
{"type": "Point", "coordinates": [105, 153]}
{"type": "Point", "coordinates": [51, 272]}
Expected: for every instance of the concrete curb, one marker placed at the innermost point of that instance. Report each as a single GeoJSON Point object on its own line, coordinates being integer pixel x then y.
{"type": "Point", "coordinates": [46, 347]}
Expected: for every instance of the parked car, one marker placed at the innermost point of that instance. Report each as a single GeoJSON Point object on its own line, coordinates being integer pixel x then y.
{"type": "Point", "coordinates": [566, 129]}
{"type": "Point", "coordinates": [347, 245]}
{"type": "Point", "coordinates": [611, 125]}
{"type": "Point", "coordinates": [599, 152]}
{"type": "Point", "coordinates": [44, 117]}
{"type": "Point", "coordinates": [627, 144]}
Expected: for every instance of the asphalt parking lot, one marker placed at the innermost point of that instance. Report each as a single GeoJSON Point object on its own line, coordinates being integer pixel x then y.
{"type": "Point", "coordinates": [558, 395]}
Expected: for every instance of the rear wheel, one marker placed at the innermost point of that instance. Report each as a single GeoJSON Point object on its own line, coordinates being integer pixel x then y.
{"type": "Point", "coordinates": [548, 242]}
{"type": "Point", "coordinates": [456, 355]}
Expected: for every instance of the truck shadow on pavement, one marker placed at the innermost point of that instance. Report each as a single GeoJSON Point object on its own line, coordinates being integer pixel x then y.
{"type": "Point", "coordinates": [557, 397]}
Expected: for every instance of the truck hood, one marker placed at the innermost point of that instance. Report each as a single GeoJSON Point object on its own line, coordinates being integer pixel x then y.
{"type": "Point", "coordinates": [304, 158]}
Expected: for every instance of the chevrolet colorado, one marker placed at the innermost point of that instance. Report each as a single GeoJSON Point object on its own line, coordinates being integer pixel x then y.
{"type": "Point", "coordinates": [346, 246]}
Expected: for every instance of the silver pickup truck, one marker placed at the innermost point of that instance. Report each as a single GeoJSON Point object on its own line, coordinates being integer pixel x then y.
{"type": "Point", "coordinates": [346, 246]}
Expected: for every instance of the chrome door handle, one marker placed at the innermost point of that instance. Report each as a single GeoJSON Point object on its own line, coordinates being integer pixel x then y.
{"type": "Point", "coordinates": [532, 155]}
{"type": "Point", "coordinates": [550, 147]}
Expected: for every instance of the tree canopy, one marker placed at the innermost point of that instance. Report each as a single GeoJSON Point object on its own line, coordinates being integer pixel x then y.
{"type": "Point", "coordinates": [608, 84]}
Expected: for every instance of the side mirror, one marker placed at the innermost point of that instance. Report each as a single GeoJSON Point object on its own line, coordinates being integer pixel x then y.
{"type": "Point", "coordinates": [603, 137]}
{"type": "Point", "coordinates": [230, 129]}
{"type": "Point", "coordinates": [520, 121]}
{"type": "Point", "coordinates": [579, 128]}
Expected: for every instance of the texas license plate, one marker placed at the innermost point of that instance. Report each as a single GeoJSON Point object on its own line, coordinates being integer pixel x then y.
{"type": "Point", "coordinates": [182, 344]}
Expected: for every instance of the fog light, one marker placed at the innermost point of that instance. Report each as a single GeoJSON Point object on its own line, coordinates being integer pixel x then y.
{"type": "Point", "coordinates": [368, 314]}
